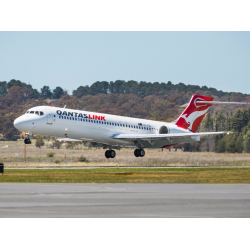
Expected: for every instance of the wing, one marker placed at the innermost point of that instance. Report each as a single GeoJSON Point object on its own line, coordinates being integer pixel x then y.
{"type": "Point", "coordinates": [67, 139]}
{"type": "Point", "coordinates": [132, 137]}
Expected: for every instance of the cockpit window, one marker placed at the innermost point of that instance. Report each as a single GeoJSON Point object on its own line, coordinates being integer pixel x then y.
{"type": "Point", "coordinates": [27, 112]}
{"type": "Point", "coordinates": [41, 113]}
{"type": "Point", "coordinates": [31, 112]}
{"type": "Point", "coordinates": [37, 112]}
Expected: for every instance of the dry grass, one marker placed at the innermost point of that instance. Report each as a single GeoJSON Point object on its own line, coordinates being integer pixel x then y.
{"type": "Point", "coordinates": [36, 157]}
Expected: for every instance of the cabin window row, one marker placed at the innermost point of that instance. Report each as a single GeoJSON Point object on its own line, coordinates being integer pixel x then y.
{"type": "Point", "coordinates": [105, 123]}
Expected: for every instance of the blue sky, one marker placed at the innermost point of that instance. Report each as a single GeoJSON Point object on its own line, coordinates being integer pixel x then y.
{"type": "Point", "coordinates": [70, 59]}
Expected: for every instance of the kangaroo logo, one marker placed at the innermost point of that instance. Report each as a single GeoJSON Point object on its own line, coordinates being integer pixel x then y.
{"type": "Point", "coordinates": [190, 119]}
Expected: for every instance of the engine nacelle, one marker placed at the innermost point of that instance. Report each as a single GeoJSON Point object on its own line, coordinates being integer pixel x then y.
{"type": "Point", "coordinates": [163, 130]}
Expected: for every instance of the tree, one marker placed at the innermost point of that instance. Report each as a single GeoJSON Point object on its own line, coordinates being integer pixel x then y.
{"type": "Point", "coordinates": [239, 144]}
{"type": "Point", "coordinates": [39, 141]}
{"type": "Point", "coordinates": [58, 92]}
{"type": "Point", "coordinates": [56, 143]}
{"type": "Point", "coordinates": [46, 92]}
{"type": "Point", "coordinates": [246, 142]}
{"type": "Point", "coordinates": [208, 122]}
{"type": "Point", "coordinates": [81, 91]}
{"type": "Point", "coordinates": [3, 88]}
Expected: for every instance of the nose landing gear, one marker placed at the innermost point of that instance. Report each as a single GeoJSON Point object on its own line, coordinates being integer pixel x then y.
{"type": "Point", "coordinates": [139, 153]}
{"type": "Point", "coordinates": [110, 154]}
{"type": "Point", "coordinates": [27, 141]}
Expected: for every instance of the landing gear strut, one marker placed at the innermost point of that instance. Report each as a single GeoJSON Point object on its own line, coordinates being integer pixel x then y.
{"type": "Point", "coordinates": [139, 153]}
{"type": "Point", "coordinates": [110, 154]}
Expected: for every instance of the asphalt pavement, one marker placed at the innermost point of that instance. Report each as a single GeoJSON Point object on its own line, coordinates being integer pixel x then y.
{"type": "Point", "coordinates": [65, 200]}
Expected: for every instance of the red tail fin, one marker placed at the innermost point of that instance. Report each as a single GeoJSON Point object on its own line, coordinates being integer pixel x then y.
{"type": "Point", "coordinates": [194, 113]}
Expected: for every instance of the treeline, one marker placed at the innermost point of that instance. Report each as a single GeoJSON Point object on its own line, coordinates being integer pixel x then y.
{"type": "Point", "coordinates": [141, 89]}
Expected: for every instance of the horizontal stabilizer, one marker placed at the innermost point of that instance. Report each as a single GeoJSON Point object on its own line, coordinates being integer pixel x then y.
{"type": "Point", "coordinates": [217, 102]}
{"type": "Point", "coordinates": [214, 102]}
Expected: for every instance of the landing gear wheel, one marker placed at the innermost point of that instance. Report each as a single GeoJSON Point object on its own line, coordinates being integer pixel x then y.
{"type": "Point", "coordinates": [112, 154]}
{"type": "Point", "coordinates": [142, 152]}
{"type": "Point", "coordinates": [107, 154]}
{"type": "Point", "coordinates": [139, 153]}
{"type": "Point", "coordinates": [27, 141]}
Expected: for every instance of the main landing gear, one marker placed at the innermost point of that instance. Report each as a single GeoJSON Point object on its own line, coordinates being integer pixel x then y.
{"type": "Point", "coordinates": [139, 153]}
{"type": "Point", "coordinates": [110, 154]}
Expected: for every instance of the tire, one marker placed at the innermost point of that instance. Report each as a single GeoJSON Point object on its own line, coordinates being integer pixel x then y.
{"type": "Point", "coordinates": [112, 154]}
{"type": "Point", "coordinates": [27, 141]}
{"type": "Point", "coordinates": [137, 152]}
{"type": "Point", "coordinates": [141, 152]}
{"type": "Point", "coordinates": [107, 154]}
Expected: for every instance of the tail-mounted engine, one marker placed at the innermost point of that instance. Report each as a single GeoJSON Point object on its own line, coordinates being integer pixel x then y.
{"type": "Point", "coordinates": [163, 130]}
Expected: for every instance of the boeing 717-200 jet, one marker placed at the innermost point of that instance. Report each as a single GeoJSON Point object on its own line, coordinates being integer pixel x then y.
{"type": "Point", "coordinates": [114, 132]}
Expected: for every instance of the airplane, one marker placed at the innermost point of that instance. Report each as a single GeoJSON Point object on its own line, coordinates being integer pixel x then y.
{"type": "Point", "coordinates": [114, 132]}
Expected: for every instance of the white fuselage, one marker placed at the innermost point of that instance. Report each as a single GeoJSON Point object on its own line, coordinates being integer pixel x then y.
{"type": "Point", "coordinates": [93, 127]}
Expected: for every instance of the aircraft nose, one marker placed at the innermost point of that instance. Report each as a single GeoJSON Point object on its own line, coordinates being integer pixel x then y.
{"type": "Point", "coordinates": [20, 124]}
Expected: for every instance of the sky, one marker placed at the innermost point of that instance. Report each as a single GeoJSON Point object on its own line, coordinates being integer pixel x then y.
{"type": "Point", "coordinates": [71, 59]}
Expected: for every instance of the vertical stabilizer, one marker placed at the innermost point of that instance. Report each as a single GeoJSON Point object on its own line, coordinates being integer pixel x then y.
{"type": "Point", "coordinates": [194, 113]}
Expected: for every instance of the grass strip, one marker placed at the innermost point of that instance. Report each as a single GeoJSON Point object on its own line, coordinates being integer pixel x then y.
{"type": "Point", "coordinates": [142, 175]}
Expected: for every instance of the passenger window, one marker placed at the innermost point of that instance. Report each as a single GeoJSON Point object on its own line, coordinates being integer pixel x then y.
{"type": "Point", "coordinates": [41, 112]}
{"type": "Point", "coordinates": [36, 112]}
{"type": "Point", "coordinates": [92, 121]}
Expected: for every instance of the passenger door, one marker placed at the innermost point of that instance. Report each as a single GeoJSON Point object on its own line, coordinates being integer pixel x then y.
{"type": "Point", "coordinates": [49, 116]}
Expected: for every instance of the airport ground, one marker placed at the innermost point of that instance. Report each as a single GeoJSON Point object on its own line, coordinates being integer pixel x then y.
{"type": "Point", "coordinates": [13, 156]}
{"type": "Point", "coordinates": [161, 184]}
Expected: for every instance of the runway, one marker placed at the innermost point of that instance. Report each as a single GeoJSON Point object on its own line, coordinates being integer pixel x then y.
{"type": "Point", "coordinates": [66, 200]}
